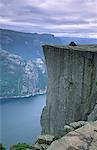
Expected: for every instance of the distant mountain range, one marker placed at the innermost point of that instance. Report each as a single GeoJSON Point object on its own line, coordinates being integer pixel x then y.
{"type": "Point", "coordinates": [77, 40]}
{"type": "Point", "coordinates": [29, 45]}
{"type": "Point", "coordinates": [22, 66]}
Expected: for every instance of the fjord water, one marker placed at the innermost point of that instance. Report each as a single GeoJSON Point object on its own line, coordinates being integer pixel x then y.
{"type": "Point", "coordinates": [20, 119]}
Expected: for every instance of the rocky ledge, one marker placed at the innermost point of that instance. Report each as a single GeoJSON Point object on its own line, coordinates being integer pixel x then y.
{"type": "Point", "coordinates": [83, 138]}
{"type": "Point", "coordinates": [43, 142]}
{"type": "Point", "coordinates": [81, 135]}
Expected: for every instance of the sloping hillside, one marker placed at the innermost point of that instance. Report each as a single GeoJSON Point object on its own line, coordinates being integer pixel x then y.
{"type": "Point", "coordinates": [19, 77]}
{"type": "Point", "coordinates": [27, 45]}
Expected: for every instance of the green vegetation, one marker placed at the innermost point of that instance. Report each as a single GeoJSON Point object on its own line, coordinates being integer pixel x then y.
{"type": "Point", "coordinates": [2, 147]}
{"type": "Point", "coordinates": [20, 146]}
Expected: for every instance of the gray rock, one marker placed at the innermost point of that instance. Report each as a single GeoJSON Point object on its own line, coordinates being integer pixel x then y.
{"type": "Point", "coordinates": [46, 139]}
{"type": "Point", "coordinates": [78, 124]}
{"type": "Point", "coordinates": [93, 114]}
{"type": "Point", "coordinates": [84, 138]}
{"type": "Point", "coordinates": [37, 146]}
{"type": "Point", "coordinates": [68, 129]}
{"type": "Point", "coordinates": [44, 146]}
{"type": "Point", "coordinates": [72, 91]}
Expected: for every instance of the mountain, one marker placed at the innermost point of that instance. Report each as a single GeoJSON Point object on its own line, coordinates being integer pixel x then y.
{"type": "Point", "coordinates": [22, 67]}
{"type": "Point", "coordinates": [19, 77]}
{"type": "Point", "coordinates": [27, 45]}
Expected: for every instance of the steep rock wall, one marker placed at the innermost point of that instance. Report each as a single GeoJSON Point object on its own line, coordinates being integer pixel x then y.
{"type": "Point", "coordinates": [72, 91]}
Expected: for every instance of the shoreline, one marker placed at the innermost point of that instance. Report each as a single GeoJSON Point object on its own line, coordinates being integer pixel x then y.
{"type": "Point", "coordinates": [24, 96]}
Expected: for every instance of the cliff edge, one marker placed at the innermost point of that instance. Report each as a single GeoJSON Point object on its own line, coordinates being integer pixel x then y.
{"type": "Point", "coordinates": [72, 89]}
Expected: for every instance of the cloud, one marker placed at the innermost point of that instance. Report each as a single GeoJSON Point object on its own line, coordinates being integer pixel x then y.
{"type": "Point", "coordinates": [67, 17]}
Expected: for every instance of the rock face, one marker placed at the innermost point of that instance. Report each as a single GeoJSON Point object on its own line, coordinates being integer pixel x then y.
{"type": "Point", "coordinates": [20, 77]}
{"type": "Point", "coordinates": [93, 114]}
{"type": "Point", "coordinates": [84, 138]}
{"type": "Point", "coordinates": [72, 90]}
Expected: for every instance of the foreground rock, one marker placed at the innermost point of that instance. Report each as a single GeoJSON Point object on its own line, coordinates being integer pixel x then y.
{"type": "Point", "coordinates": [84, 138]}
{"type": "Point", "coordinates": [74, 125]}
{"type": "Point", "coordinates": [46, 139]}
{"type": "Point", "coordinates": [78, 124]}
{"type": "Point", "coordinates": [43, 142]}
{"type": "Point", "coordinates": [79, 135]}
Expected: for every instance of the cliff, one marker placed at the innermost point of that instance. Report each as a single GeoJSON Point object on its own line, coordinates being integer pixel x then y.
{"type": "Point", "coordinates": [20, 77]}
{"type": "Point", "coordinates": [72, 89]}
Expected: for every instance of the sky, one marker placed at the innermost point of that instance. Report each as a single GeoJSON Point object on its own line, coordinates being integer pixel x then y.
{"type": "Point", "coordinates": [69, 18]}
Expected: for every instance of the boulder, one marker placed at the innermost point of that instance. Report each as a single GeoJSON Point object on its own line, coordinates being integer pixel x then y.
{"type": "Point", "coordinates": [84, 138]}
{"type": "Point", "coordinates": [37, 146]}
{"type": "Point", "coordinates": [68, 128]}
{"type": "Point", "coordinates": [46, 139]}
{"type": "Point", "coordinates": [78, 124]}
{"type": "Point", "coordinates": [44, 146]}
